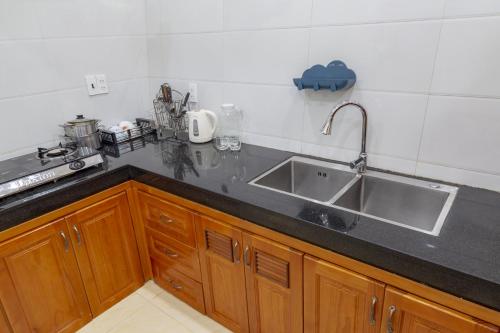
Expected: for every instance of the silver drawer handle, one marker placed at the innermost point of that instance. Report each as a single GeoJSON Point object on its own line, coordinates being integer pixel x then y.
{"type": "Point", "coordinates": [176, 286]}
{"type": "Point", "coordinates": [171, 254]}
{"type": "Point", "coordinates": [390, 320]}
{"type": "Point", "coordinates": [166, 219]}
{"type": "Point", "coordinates": [373, 305]}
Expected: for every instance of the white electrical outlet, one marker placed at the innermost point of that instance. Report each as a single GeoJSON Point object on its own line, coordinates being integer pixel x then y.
{"type": "Point", "coordinates": [96, 84]}
{"type": "Point", "coordinates": [102, 84]}
{"type": "Point", "coordinates": [91, 84]}
{"type": "Point", "coordinates": [193, 92]}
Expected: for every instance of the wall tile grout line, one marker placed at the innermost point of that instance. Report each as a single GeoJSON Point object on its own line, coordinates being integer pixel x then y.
{"type": "Point", "coordinates": [326, 25]}
{"type": "Point", "coordinates": [424, 123]}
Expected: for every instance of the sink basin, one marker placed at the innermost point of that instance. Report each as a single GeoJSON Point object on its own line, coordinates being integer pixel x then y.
{"type": "Point", "coordinates": [407, 202]}
{"type": "Point", "coordinates": [306, 178]}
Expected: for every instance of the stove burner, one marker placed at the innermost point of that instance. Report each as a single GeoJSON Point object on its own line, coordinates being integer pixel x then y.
{"type": "Point", "coordinates": [59, 151]}
{"type": "Point", "coordinates": [56, 152]}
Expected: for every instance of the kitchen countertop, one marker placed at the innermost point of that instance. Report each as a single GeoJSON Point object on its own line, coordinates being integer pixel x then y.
{"type": "Point", "coordinates": [463, 260]}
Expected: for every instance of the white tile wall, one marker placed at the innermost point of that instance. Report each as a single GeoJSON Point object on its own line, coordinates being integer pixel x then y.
{"type": "Point", "coordinates": [263, 14]}
{"type": "Point", "coordinates": [466, 8]}
{"type": "Point", "coordinates": [46, 48]}
{"type": "Point", "coordinates": [427, 73]}
{"type": "Point", "coordinates": [264, 56]}
{"type": "Point", "coordinates": [394, 56]}
{"type": "Point", "coordinates": [467, 61]}
{"type": "Point", "coordinates": [336, 12]}
{"type": "Point", "coordinates": [179, 16]}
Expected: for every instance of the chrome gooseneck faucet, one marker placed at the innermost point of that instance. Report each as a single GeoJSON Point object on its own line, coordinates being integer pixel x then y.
{"type": "Point", "coordinates": [361, 163]}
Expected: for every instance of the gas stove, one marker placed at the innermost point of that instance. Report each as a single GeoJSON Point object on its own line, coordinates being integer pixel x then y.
{"type": "Point", "coordinates": [47, 164]}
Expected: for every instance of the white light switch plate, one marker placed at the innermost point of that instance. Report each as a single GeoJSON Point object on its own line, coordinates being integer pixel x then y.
{"type": "Point", "coordinates": [91, 84]}
{"type": "Point", "coordinates": [96, 84]}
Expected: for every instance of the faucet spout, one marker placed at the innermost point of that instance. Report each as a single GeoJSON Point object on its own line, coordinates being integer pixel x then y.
{"type": "Point", "coordinates": [361, 163]}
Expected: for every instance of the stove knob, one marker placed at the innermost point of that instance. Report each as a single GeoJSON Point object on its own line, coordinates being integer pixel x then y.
{"type": "Point", "coordinates": [41, 152]}
{"type": "Point", "coordinates": [76, 165]}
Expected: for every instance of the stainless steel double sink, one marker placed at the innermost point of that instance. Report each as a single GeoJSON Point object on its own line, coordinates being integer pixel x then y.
{"type": "Point", "coordinates": [407, 202]}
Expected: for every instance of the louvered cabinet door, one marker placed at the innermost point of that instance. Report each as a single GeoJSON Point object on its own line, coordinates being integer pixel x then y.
{"type": "Point", "coordinates": [274, 286]}
{"type": "Point", "coordinates": [337, 300]}
{"type": "Point", "coordinates": [223, 273]}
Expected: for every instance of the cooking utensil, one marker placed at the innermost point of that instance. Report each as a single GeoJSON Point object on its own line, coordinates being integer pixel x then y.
{"type": "Point", "coordinates": [167, 93]}
{"type": "Point", "coordinates": [80, 126]}
{"type": "Point", "coordinates": [92, 140]}
{"type": "Point", "coordinates": [186, 98]}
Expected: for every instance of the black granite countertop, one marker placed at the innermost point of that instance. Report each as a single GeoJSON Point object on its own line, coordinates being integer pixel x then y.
{"type": "Point", "coordinates": [463, 260]}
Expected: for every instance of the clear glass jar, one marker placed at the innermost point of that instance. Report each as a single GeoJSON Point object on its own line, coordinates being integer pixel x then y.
{"type": "Point", "coordinates": [229, 127]}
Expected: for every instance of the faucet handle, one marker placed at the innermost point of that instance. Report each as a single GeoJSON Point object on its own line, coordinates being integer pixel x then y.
{"type": "Point", "coordinates": [360, 163]}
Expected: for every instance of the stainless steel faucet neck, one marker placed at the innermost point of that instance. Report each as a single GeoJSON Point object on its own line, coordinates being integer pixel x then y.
{"type": "Point", "coordinates": [361, 162]}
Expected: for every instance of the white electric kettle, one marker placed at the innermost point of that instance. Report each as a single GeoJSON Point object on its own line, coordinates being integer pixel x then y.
{"type": "Point", "coordinates": [202, 125]}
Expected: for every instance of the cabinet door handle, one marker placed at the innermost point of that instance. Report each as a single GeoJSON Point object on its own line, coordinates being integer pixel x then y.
{"type": "Point", "coordinates": [373, 305]}
{"type": "Point", "coordinates": [390, 320]}
{"type": "Point", "coordinates": [236, 252]}
{"type": "Point", "coordinates": [77, 233]}
{"type": "Point", "coordinates": [65, 240]}
{"type": "Point", "coordinates": [171, 254]}
{"type": "Point", "coordinates": [246, 256]}
{"type": "Point", "coordinates": [176, 286]}
{"type": "Point", "coordinates": [165, 219]}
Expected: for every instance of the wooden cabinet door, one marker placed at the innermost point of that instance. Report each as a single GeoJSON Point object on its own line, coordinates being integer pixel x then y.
{"type": "Point", "coordinates": [406, 313]}
{"type": "Point", "coordinates": [41, 289]}
{"type": "Point", "coordinates": [274, 286]}
{"type": "Point", "coordinates": [340, 301]}
{"type": "Point", "coordinates": [223, 273]}
{"type": "Point", "coordinates": [106, 250]}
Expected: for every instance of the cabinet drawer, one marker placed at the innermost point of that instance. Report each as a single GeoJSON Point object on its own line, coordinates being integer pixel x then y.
{"type": "Point", "coordinates": [174, 254]}
{"type": "Point", "coordinates": [167, 218]}
{"type": "Point", "coordinates": [179, 285]}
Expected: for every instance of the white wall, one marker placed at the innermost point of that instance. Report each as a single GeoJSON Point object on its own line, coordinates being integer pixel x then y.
{"type": "Point", "coordinates": [428, 73]}
{"type": "Point", "coordinates": [46, 48]}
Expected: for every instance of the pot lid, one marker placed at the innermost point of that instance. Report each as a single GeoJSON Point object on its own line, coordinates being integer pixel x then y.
{"type": "Point", "coordinates": [80, 119]}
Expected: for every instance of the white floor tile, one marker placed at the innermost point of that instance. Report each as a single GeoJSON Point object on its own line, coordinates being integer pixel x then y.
{"type": "Point", "coordinates": [150, 309]}
{"type": "Point", "coordinates": [150, 290]}
{"type": "Point", "coordinates": [149, 319]}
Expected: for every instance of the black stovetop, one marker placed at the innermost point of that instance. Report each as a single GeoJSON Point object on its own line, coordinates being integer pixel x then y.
{"type": "Point", "coordinates": [29, 164]}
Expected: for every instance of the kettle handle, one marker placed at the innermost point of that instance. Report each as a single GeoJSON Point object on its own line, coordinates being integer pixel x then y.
{"type": "Point", "coordinates": [213, 116]}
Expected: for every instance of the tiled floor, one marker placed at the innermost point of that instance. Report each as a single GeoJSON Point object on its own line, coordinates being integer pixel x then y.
{"type": "Point", "coordinates": [152, 310]}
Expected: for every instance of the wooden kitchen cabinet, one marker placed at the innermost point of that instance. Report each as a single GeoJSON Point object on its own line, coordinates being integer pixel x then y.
{"type": "Point", "coordinates": [340, 301]}
{"type": "Point", "coordinates": [223, 273]}
{"type": "Point", "coordinates": [407, 313]}
{"type": "Point", "coordinates": [274, 286]}
{"type": "Point", "coordinates": [41, 289]}
{"type": "Point", "coordinates": [250, 283]}
{"type": "Point", "coordinates": [167, 218]}
{"type": "Point", "coordinates": [106, 250]}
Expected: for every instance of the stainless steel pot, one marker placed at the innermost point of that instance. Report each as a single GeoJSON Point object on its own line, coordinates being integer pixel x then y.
{"type": "Point", "coordinates": [80, 127]}
{"type": "Point", "coordinates": [92, 140]}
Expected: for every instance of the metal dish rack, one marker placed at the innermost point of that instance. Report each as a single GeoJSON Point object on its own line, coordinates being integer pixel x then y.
{"type": "Point", "coordinates": [171, 119]}
{"type": "Point", "coordinates": [143, 127]}
{"type": "Point", "coordinates": [116, 150]}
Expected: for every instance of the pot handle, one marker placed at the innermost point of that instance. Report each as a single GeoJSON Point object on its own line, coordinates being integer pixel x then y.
{"type": "Point", "coordinates": [213, 116]}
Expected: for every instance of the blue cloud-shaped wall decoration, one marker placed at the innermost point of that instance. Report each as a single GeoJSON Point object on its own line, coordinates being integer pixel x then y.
{"type": "Point", "coordinates": [335, 76]}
